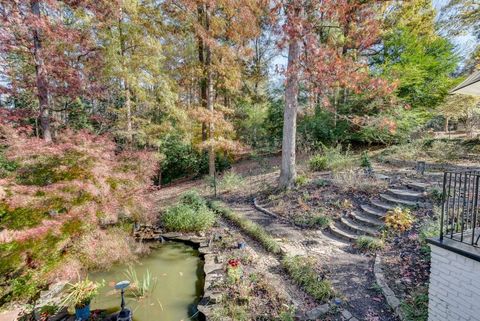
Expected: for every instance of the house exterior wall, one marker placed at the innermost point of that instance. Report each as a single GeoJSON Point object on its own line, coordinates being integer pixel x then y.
{"type": "Point", "coordinates": [454, 290]}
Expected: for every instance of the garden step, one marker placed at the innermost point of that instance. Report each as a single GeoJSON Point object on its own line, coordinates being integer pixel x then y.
{"type": "Point", "coordinates": [373, 212]}
{"type": "Point", "coordinates": [397, 201]}
{"type": "Point", "coordinates": [357, 228]}
{"type": "Point", "coordinates": [382, 206]}
{"type": "Point", "coordinates": [342, 233]}
{"type": "Point", "coordinates": [366, 220]}
{"type": "Point", "coordinates": [406, 194]}
{"type": "Point", "coordinates": [417, 186]}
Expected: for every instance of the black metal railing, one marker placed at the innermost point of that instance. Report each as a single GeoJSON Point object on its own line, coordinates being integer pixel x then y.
{"type": "Point", "coordinates": [460, 206]}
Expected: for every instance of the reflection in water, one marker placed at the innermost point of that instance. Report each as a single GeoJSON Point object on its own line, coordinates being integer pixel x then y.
{"type": "Point", "coordinates": [179, 273]}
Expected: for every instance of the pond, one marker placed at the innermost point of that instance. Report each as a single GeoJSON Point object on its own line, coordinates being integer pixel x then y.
{"type": "Point", "coordinates": [177, 273]}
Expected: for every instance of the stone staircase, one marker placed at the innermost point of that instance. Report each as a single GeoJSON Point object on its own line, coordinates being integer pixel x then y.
{"type": "Point", "coordinates": [369, 220]}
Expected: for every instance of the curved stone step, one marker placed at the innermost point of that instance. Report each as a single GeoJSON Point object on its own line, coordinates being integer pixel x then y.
{"type": "Point", "coordinates": [366, 220]}
{"type": "Point", "coordinates": [357, 228]}
{"type": "Point", "coordinates": [374, 211]}
{"type": "Point", "coordinates": [397, 201]}
{"type": "Point", "coordinates": [342, 233]}
{"type": "Point", "coordinates": [417, 186]}
{"type": "Point", "coordinates": [406, 194]}
{"type": "Point", "coordinates": [382, 206]}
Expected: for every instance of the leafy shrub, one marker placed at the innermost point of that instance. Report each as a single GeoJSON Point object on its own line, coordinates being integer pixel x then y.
{"type": "Point", "coordinates": [254, 230]}
{"type": "Point", "coordinates": [303, 271]}
{"type": "Point", "coordinates": [369, 244]}
{"type": "Point", "coordinates": [193, 199]}
{"type": "Point", "coordinates": [186, 218]}
{"type": "Point", "coordinates": [399, 219]}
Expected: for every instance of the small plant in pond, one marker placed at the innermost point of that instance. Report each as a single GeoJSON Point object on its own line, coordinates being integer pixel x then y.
{"type": "Point", "coordinates": [81, 293]}
{"type": "Point", "coordinates": [369, 244]}
{"type": "Point", "coordinates": [399, 219]}
{"type": "Point", "coordinates": [140, 288]}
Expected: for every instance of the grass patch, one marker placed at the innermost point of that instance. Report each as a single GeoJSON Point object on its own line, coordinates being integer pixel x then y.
{"type": "Point", "coordinates": [369, 244]}
{"type": "Point", "coordinates": [254, 230]}
{"type": "Point", "coordinates": [415, 307]}
{"type": "Point", "coordinates": [331, 158]}
{"type": "Point", "coordinates": [303, 271]}
{"type": "Point", "coordinates": [191, 214]}
{"type": "Point", "coordinates": [230, 181]}
{"type": "Point", "coordinates": [312, 221]}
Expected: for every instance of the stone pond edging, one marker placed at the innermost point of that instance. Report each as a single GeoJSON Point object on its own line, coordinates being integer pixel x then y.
{"type": "Point", "coordinates": [212, 268]}
{"type": "Point", "coordinates": [389, 295]}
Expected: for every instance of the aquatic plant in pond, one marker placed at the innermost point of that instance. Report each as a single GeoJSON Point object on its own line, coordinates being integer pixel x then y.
{"type": "Point", "coordinates": [178, 269]}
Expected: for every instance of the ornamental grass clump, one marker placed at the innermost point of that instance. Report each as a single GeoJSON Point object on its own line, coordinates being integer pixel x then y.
{"type": "Point", "coordinates": [304, 272]}
{"type": "Point", "coordinates": [369, 244]}
{"type": "Point", "coordinates": [80, 294]}
{"type": "Point", "coordinates": [191, 214]}
{"type": "Point", "coordinates": [399, 219]}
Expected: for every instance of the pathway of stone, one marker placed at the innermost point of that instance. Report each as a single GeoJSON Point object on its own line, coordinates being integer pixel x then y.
{"type": "Point", "coordinates": [350, 273]}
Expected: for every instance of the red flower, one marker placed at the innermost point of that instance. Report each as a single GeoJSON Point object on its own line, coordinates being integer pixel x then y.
{"type": "Point", "coordinates": [234, 263]}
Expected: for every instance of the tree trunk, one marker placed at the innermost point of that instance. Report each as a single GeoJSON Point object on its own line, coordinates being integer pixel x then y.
{"type": "Point", "coordinates": [41, 79]}
{"type": "Point", "coordinates": [447, 119]}
{"type": "Point", "coordinates": [288, 172]}
{"type": "Point", "coordinates": [128, 107]}
{"type": "Point", "coordinates": [208, 61]}
{"type": "Point", "coordinates": [201, 59]}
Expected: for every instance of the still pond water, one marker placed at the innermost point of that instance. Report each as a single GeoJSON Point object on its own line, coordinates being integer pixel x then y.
{"type": "Point", "coordinates": [178, 270]}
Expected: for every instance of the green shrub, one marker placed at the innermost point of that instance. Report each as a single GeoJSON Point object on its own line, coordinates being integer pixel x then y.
{"type": "Point", "coordinates": [256, 231]}
{"type": "Point", "coordinates": [185, 218]}
{"type": "Point", "coordinates": [191, 214]}
{"type": "Point", "coordinates": [193, 199]}
{"type": "Point", "coordinates": [369, 244]}
{"type": "Point", "coordinates": [318, 163]}
{"type": "Point", "coordinates": [303, 271]}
